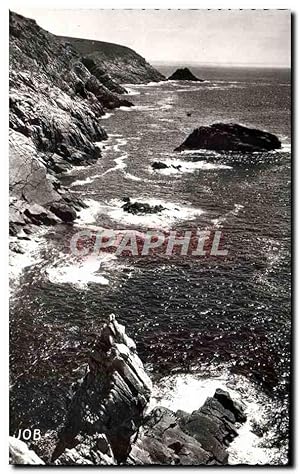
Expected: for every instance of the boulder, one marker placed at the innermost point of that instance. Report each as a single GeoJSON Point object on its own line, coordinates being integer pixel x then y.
{"type": "Point", "coordinates": [230, 137]}
{"type": "Point", "coordinates": [39, 215]}
{"type": "Point", "coordinates": [65, 212]}
{"type": "Point", "coordinates": [110, 400]}
{"type": "Point", "coordinates": [184, 74]}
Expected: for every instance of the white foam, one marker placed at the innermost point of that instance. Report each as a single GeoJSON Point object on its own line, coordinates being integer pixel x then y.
{"type": "Point", "coordinates": [132, 177]}
{"type": "Point", "coordinates": [285, 148]}
{"type": "Point", "coordinates": [82, 182]}
{"type": "Point", "coordinates": [149, 84]}
{"type": "Point", "coordinates": [188, 392]}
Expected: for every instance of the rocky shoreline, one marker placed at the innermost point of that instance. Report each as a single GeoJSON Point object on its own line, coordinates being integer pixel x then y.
{"type": "Point", "coordinates": [107, 422]}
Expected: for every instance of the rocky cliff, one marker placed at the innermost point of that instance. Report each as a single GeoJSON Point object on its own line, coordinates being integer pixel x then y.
{"type": "Point", "coordinates": [121, 63]}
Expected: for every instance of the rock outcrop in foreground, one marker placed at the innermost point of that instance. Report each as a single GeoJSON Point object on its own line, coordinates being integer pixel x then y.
{"type": "Point", "coordinates": [55, 107]}
{"type": "Point", "coordinates": [121, 63]}
{"type": "Point", "coordinates": [107, 424]}
{"type": "Point", "coordinates": [184, 74]}
{"type": "Point", "coordinates": [230, 137]}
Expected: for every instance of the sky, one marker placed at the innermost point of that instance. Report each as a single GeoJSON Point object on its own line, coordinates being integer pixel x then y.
{"type": "Point", "coordinates": [223, 37]}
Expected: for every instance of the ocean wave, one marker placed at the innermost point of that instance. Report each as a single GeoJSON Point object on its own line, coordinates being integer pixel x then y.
{"type": "Point", "coordinates": [89, 214]}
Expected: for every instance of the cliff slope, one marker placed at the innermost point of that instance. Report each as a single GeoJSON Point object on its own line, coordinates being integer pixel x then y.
{"type": "Point", "coordinates": [55, 106]}
{"type": "Point", "coordinates": [121, 63]}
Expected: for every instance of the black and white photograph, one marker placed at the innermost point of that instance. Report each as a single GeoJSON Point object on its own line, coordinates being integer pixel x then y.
{"type": "Point", "coordinates": [150, 237]}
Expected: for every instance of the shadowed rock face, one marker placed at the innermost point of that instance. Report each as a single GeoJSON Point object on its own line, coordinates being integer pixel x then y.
{"type": "Point", "coordinates": [141, 207]}
{"type": "Point", "coordinates": [184, 74]}
{"type": "Point", "coordinates": [55, 106]}
{"type": "Point", "coordinates": [121, 63]}
{"type": "Point", "coordinates": [106, 423]}
{"type": "Point", "coordinates": [230, 137]}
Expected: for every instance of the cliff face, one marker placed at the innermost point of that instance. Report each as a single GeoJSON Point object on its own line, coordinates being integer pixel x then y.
{"type": "Point", "coordinates": [107, 423]}
{"type": "Point", "coordinates": [55, 106]}
{"type": "Point", "coordinates": [121, 63]}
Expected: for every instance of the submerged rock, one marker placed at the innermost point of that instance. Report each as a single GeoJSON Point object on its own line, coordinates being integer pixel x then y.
{"type": "Point", "coordinates": [141, 207]}
{"type": "Point", "coordinates": [230, 137]}
{"type": "Point", "coordinates": [184, 74]}
{"type": "Point", "coordinates": [110, 400]}
{"type": "Point", "coordinates": [181, 438]}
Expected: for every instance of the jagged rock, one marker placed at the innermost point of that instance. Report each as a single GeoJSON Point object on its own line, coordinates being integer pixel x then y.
{"type": "Point", "coordinates": [107, 98]}
{"type": "Point", "coordinates": [63, 211]}
{"type": "Point", "coordinates": [110, 400]}
{"type": "Point", "coordinates": [230, 137]}
{"type": "Point", "coordinates": [19, 453]}
{"type": "Point", "coordinates": [141, 207]}
{"type": "Point", "coordinates": [122, 64]}
{"type": "Point", "coordinates": [39, 215]}
{"type": "Point", "coordinates": [184, 74]}
{"type": "Point", "coordinates": [188, 439]}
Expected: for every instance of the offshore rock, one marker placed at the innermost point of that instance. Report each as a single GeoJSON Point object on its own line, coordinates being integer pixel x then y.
{"type": "Point", "coordinates": [184, 74]}
{"type": "Point", "coordinates": [229, 137]}
{"type": "Point", "coordinates": [109, 401]}
{"type": "Point", "coordinates": [19, 453]}
{"type": "Point", "coordinates": [141, 207]}
{"type": "Point", "coordinates": [180, 438]}
{"type": "Point", "coordinates": [63, 211]}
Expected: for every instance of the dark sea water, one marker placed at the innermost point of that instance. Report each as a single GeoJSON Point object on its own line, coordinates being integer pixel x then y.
{"type": "Point", "coordinates": [213, 321]}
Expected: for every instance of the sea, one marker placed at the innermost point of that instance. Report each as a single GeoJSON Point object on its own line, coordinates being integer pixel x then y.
{"type": "Point", "coordinates": [199, 323]}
